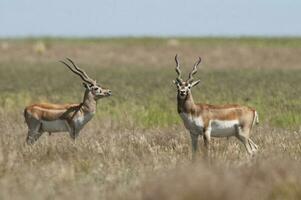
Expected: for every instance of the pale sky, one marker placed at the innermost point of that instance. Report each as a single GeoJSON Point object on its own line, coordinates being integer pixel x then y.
{"type": "Point", "coordinates": [110, 18]}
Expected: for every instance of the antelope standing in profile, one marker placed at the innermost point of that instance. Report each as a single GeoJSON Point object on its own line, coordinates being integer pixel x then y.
{"type": "Point", "coordinates": [212, 120]}
{"type": "Point", "coordinates": [46, 117]}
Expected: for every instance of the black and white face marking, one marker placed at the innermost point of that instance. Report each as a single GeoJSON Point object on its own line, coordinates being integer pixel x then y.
{"type": "Point", "coordinates": [184, 87]}
{"type": "Point", "coordinates": [98, 91]}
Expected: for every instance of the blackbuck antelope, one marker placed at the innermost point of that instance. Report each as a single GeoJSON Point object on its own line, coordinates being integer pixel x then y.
{"type": "Point", "coordinates": [46, 117]}
{"type": "Point", "coordinates": [212, 120]}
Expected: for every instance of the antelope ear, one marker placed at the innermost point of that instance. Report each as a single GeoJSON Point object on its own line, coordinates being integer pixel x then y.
{"type": "Point", "coordinates": [194, 83]}
{"type": "Point", "coordinates": [86, 85]}
{"type": "Point", "coordinates": [176, 82]}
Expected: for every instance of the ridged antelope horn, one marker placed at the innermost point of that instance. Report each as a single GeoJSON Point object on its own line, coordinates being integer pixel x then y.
{"type": "Point", "coordinates": [194, 70]}
{"type": "Point", "coordinates": [77, 71]}
{"type": "Point", "coordinates": [178, 69]}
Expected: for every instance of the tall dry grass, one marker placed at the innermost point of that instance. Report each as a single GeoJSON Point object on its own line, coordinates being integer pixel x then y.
{"type": "Point", "coordinates": [121, 163]}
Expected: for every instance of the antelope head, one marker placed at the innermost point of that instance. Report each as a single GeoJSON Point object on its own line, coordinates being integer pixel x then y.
{"type": "Point", "coordinates": [91, 86]}
{"type": "Point", "coordinates": [184, 87]}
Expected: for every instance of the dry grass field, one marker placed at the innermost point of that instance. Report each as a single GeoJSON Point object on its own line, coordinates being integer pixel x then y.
{"type": "Point", "coordinates": [136, 146]}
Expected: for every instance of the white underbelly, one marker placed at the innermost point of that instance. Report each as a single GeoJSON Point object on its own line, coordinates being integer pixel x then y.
{"type": "Point", "coordinates": [217, 128]}
{"type": "Point", "coordinates": [221, 128]}
{"type": "Point", "coordinates": [55, 126]}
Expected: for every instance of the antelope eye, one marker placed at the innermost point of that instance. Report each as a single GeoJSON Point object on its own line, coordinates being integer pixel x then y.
{"type": "Point", "coordinates": [95, 88]}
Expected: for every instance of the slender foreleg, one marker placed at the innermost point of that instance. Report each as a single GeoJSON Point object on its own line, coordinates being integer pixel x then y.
{"type": "Point", "coordinates": [194, 144]}
{"type": "Point", "coordinates": [207, 138]}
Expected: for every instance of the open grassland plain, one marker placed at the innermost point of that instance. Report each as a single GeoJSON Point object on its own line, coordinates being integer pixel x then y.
{"type": "Point", "coordinates": [136, 146]}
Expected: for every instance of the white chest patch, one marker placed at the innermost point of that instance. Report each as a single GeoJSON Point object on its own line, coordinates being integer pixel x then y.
{"type": "Point", "coordinates": [193, 124]}
{"type": "Point", "coordinates": [221, 128]}
{"type": "Point", "coordinates": [81, 121]}
{"type": "Point", "coordinates": [55, 126]}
